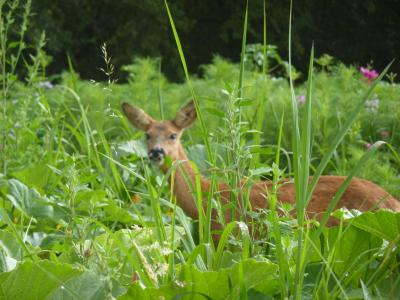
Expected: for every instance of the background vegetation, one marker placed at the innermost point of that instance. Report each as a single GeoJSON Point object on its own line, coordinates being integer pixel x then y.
{"type": "Point", "coordinates": [354, 32]}
{"type": "Point", "coordinates": [84, 215]}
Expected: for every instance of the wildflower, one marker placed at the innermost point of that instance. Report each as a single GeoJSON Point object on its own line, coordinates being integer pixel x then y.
{"type": "Point", "coordinates": [45, 85]}
{"type": "Point", "coordinates": [135, 198]}
{"type": "Point", "coordinates": [161, 268]}
{"type": "Point", "coordinates": [165, 251]}
{"type": "Point", "coordinates": [136, 228]}
{"type": "Point", "coordinates": [373, 104]}
{"type": "Point", "coordinates": [367, 145]}
{"type": "Point", "coordinates": [369, 74]}
{"type": "Point", "coordinates": [155, 245]}
{"type": "Point", "coordinates": [301, 99]}
{"type": "Point", "coordinates": [180, 283]}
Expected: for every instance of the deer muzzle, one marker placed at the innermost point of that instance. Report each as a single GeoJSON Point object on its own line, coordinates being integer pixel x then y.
{"type": "Point", "coordinates": [156, 154]}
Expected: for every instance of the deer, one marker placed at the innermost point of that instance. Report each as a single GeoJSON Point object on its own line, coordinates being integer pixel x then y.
{"type": "Point", "coordinates": [164, 140]}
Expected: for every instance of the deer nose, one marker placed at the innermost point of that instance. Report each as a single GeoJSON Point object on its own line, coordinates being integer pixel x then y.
{"type": "Point", "coordinates": [156, 153]}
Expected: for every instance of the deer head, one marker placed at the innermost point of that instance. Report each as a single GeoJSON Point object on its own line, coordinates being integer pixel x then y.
{"type": "Point", "coordinates": [163, 137]}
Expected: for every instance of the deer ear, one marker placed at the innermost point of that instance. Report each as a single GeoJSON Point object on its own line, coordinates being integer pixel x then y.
{"type": "Point", "coordinates": [137, 116]}
{"type": "Point", "coordinates": [186, 116]}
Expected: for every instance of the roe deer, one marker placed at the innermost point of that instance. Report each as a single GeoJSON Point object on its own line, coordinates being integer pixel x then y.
{"type": "Point", "coordinates": [163, 139]}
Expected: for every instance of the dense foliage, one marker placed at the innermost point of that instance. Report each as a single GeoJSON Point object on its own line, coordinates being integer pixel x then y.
{"type": "Point", "coordinates": [354, 32]}
{"type": "Point", "coordinates": [75, 185]}
{"type": "Point", "coordinates": [84, 215]}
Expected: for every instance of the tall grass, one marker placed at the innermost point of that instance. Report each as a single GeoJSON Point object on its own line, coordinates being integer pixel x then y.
{"type": "Point", "coordinates": [92, 206]}
{"type": "Point", "coordinates": [301, 145]}
{"type": "Point", "coordinates": [10, 59]}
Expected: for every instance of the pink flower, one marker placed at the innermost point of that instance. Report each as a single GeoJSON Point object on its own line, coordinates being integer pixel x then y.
{"type": "Point", "coordinates": [301, 99]}
{"type": "Point", "coordinates": [367, 145]}
{"type": "Point", "coordinates": [369, 74]}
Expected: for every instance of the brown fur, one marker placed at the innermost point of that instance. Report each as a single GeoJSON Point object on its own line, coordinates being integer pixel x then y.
{"type": "Point", "coordinates": [361, 194]}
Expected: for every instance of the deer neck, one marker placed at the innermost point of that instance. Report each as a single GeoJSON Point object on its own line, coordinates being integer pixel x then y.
{"type": "Point", "coordinates": [184, 182]}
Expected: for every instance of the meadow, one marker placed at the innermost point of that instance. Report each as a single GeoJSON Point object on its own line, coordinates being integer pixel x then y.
{"type": "Point", "coordinates": [85, 215]}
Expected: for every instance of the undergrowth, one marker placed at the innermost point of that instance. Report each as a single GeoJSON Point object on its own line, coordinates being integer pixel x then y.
{"type": "Point", "coordinates": [84, 215]}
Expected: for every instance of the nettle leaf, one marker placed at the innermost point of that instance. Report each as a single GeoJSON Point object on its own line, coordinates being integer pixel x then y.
{"type": "Point", "coordinates": [31, 280]}
{"type": "Point", "coordinates": [118, 214]}
{"type": "Point", "coordinates": [215, 112]}
{"type": "Point", "coordinates": [383, 224]}
{"type": "Point", "coordinates": [261, 171]}
{"type": "Point", "coordinates": [261, 150]}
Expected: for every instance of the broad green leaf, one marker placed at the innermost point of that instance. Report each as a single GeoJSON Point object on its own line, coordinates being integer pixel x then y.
{"type": "Point", "coordinates": [36, 176]}
{"type": "Point", "coordinates": [384, 224]}
{"type": "Point", "coordinates": [10, 245]}
{"type": "Point", "coordinates": [88, 285]}
{"type": "Point", "coordinates": [352, 248]}
{"type": "Point", "coordinates": [36, 281]}
{"type": "Point", "coordinates": [224, 284]}
{"type": "Point", "coordinates": [164, 292]}
{"type": "Point", "coordinates": [260, 278]}
{"type": "Point", "coordinates": [29, 202]}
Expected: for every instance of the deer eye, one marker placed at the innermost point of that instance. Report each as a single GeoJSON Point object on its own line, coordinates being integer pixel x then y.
{"type": "Point", "coordinates": [147, 136]}
{"type": "Point", "coordinates": [172, 136]}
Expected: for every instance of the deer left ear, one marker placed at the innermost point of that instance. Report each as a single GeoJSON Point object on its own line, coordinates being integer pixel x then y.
{"type": "Point", "coordinates": [186, 116]}
{"type": "Point", "coordinates": [137, 116]}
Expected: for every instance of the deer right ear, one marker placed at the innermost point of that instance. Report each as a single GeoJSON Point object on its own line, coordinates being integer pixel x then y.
{"type": "Point", "coordinates": [137, 116]}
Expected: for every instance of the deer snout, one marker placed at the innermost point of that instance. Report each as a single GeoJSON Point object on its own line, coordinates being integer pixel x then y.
{"type": "Point", "coordinates": [156, 154]}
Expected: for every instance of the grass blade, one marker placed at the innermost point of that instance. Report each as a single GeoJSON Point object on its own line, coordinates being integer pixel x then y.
{"type": "Point", "coordinates": [195, 100]}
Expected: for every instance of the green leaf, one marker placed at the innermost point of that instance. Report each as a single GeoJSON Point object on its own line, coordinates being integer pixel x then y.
{"type": "Point", "coordinates": [215, 112]}
{"type": "Point", "coordinates": [383, 224]}
{"type": "Point", "coordinates": [136, 291]}
{"type": "Point", "coordinates": [32, 204]}
{"type": "Point", "coordinates": [37, 281]}
{"type": "Point", "coordinates": [353, 248]}
{"type": "Point", "coordinates": [10, 245]}
{"type": "Point", "coordinates": [224, 284]}
{"type": "Point", "coordinates": [261, 150]}
{"type": "Point", "coordinates": [28, 201]}
{"type": "Point", "coordinates": [260, 171]}
{"type": "Point", "coordinates": [260, 278]}
{"type": "Point", "coordinates": [36, 176]}
{"type": "Point", "coordinates": [88, 285]}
